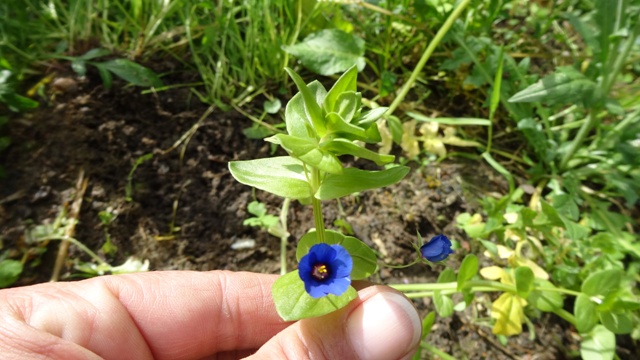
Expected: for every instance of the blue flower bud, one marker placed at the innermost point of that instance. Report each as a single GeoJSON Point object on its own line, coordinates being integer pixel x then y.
{"type": "Point", "coordinates": [437, 249]}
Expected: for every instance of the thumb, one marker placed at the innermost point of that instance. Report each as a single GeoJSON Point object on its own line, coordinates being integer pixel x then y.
{"type": "Point", "coordinates": [380, 324]}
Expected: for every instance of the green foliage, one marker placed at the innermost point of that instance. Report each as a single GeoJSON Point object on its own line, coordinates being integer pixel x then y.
{"type": "Point", "coordinates": [293, 302]}
{"type": "Point", "coordinates": [10, 271]}
{"type": "Point", "coordinates": [127, 70]}
{"type": "Point", "coordinates": [9, 94]}
{"type": "Point", "coordinates": [322, 125]}
{"type": "Point", "coordinates": [329, 51]}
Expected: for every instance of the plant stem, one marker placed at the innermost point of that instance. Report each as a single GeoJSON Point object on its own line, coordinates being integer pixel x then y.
{"type": "Point", "coordinates": [427, 54]}
{"type": "Point", "coordinates": [579, 139]}
{"type": "Point", "coordinates": [317, 207]}
{"type": "Point", "coordinates": [435, 351]}
{"type": "Point", "coordinates": [285, 236]}
{"type": "Point", "coordinates": [77, 243]}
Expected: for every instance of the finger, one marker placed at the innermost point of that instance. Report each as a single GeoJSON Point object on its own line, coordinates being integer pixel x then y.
{"type": "Point", "coordinates": [380, 324]}
{"type": "Point", "coordinates": [161, 315]}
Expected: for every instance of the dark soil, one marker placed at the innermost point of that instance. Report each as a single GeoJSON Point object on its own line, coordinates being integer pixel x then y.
{"type": "Point", "coordinates": [187, 211]}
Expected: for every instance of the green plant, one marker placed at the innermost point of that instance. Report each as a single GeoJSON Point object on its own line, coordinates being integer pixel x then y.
{"type": "Point", "coordinates": [236, 47]}
{"type": "Point", "coordinates": [106, 218]}
{"type": "Point", "coordinates": [321, 126]}
{"type": "Point", "coordinates": [123, 68]}
{"type": "Point", "coordinates": [276, 226]}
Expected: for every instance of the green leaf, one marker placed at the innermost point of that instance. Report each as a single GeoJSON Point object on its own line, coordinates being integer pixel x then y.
{"type": "Point", "coordinates": [296, 118]}
{"type": "Point", "coordinates": [602, 282]}
{"type": "Point", "coordinates": [340, 147]}
{"type": "Point", "coordinates": [94, 53]}
{"type": "Point", "coordinates": [500, 169]}
{"type": "Point", "coordinates": [370, 116]}
{"type": "Point", "coordinates": [79, 66]}
{"type": "Point", "coordinates": [444, 304]}
{"type": "Point", "coordinates": [313, 110]}
{"type": "Point", "coordinates": [600, 344]}
{"type": "Point", "coordinates": [545, 300]}
{"type": "Point", "coordinates": [294, 303]}
{"type": "Point", "coordinates": [309, 152]}
{"type": "Point", "coordinates": [524, 281]}
{"type": "Point", "coordinates": [347, 104]}
{"type": "Point", "coordinates": [446, 276]}
{"type": "Point", "coordinates": [565, 86]}
{"type": "Point", "coordinates": [133, 72]}
{"type": "Point", "coordinates": [450, 121]}
{"type": "Point", "coordinates": [272, 106]}
{"type": "Point", "coordinates": [365, 262]}
{"type": "Point", "coordinates": [468, 269]}
{"type": "Point", "coordinates": [497, 82]}
{"type": "Point", "coordinates": [283, 176]}
{"type": "Point", "coordinates": [606, 17]}
{"type": "Point", "coordinates": [329, 51]}
{"type": "Point", "coordinates": [10, 271]}
{"type": "Point", "coordinates": [585, 312]}
{"type": "Point", "coordinates": [618, 323]}
{"type": "Point", "coordinates": [336, 124]}
{"type": "Point", "coordinates": [105, 75]}
{"type": "Point", "coordinates": [346, 83]}
{"type": "Point", "coordinates": [427, 324]}
{"type": "Point", "coordinates": [354, 180]}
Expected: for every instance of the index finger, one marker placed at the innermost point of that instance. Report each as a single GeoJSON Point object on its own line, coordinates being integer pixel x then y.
{"type": "Point", "coordinates": [175, 315]}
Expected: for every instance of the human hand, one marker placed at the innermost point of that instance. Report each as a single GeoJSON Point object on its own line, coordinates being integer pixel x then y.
{"type": "Point", "coordinates": [194, 315]}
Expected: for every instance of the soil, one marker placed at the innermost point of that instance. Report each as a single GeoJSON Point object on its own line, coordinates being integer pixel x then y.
{"type": "Point", "coordinates": [186, 210]}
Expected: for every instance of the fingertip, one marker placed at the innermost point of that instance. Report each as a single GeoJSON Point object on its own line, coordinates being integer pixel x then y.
{"type": "Point", "coordinates": [384, 326]}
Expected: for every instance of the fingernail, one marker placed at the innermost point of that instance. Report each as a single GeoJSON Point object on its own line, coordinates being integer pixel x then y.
{"type": "Point", "coordinates": [384, 327]}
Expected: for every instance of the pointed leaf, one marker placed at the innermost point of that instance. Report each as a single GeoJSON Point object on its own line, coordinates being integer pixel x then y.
{"type": "Point", "coordinates": [346, 82]}
{"type": "Point", "coordinates": [565, 86]}
{"type": "Point", "coordinates": [133, 72]}
{"type": "Point", "coordinates": [313, 110]}
{"type": "Point", "coordinates": [340, 147]}
{"type": "Point", "coordinates": [336, 124]}
{"type": "Point", "coordinates": [283, 176]}
{"type": "Point", "coordinates": [356, 180]}
{"type": "Point", "coordinates": [347, 104]}
{"type": "Point", "coordinates": [309, 152]}
{"type": "Point", "coordinates": [371, 116]}
{"type": "Point", "coordinates": [298, 124]}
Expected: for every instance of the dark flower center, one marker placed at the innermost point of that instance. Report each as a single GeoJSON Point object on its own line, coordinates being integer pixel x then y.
{"type": "Point", "coordinates": [320, 271]}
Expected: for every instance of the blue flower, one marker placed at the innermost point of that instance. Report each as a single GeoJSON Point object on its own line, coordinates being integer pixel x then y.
{"type": "Point", "coordinates": [437, 249]}
{"type": "Point", "coordinates": [325, 270]}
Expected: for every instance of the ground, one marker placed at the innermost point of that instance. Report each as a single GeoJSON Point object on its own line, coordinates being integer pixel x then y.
{"type": "Point", "coordinates": [186, 210]}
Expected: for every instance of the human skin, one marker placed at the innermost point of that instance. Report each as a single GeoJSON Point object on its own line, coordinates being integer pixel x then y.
{"type": "Point", "coordinates": [196, 315]}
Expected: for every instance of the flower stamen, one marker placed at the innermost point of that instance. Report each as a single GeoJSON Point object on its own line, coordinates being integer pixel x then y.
{"type": "Point", "coordinates": [320, 272]}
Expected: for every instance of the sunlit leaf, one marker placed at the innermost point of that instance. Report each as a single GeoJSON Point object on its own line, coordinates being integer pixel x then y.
{"type": "Point", "coordinates": [600, 344]}
{"type": "Point", "coordinates": [294, 303]}
{"type": "Point", "coordinates": [329, 51]}
{"type": "Point", "coordinates": [282, 176]}
{"type": "Point", "coordinates": [354, 180]}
